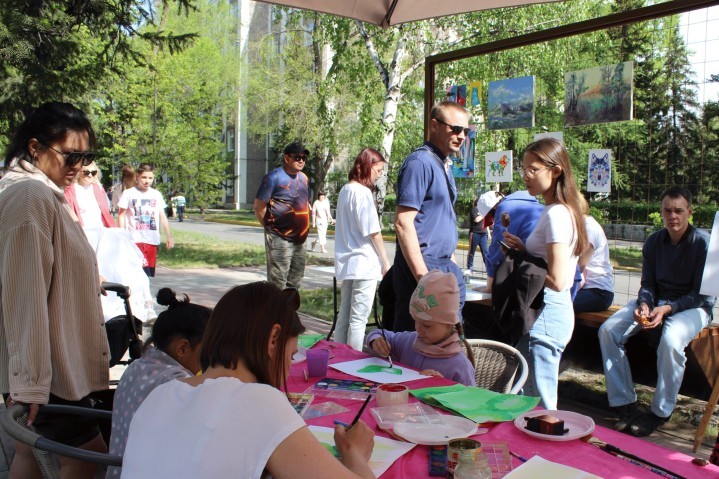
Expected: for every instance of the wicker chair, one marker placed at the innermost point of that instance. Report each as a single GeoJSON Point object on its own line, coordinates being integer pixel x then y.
{"type": "Point", "coordinates": [497, 365]}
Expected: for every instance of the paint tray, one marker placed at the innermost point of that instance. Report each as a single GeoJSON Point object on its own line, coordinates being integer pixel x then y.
{"type": "Point", "coordinates": [416, 412]}
{"type": "Point", "coordinates": [343, 388]}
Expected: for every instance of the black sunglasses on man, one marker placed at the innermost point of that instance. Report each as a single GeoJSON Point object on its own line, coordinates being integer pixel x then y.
{"type": "Point", "coordinates": [456, 129]}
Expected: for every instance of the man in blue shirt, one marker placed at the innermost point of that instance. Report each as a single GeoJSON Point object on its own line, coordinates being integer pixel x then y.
{"type": "Point", "coordinates": [282, 206]}
{"type": "Point", "coordinates": [669, 299]}
{"type": "Point", "coordinates": [425, 221]}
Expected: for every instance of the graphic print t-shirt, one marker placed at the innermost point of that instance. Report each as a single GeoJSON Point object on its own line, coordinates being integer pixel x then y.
{"type": "Point", "coordinates": [288, 200]}
{"type": "Point", "coordinates": [143, 214]}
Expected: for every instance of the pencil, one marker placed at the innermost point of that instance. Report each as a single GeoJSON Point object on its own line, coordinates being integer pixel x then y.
{"type": "Point", "coordinates": [514, 454]}
{"type": "Point", "coordinates": [354, 421]}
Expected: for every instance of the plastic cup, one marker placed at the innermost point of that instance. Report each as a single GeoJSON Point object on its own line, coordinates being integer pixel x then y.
{"type": "Point", "coordinates": [317, 360]}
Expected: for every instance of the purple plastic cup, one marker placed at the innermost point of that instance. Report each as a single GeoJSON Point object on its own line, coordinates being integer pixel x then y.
{"type": "Point", "coordinates": [317, 360]}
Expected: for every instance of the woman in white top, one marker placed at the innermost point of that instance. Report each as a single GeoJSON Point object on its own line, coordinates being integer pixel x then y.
{"type": "Point", "coordinates": [596, 292]}
{"type": "Point", "coordinates": [321, 218]}
{"type": "Point", "coordinates": [233, 421]}
{"type": "Point", "coordinates": [360, 257]}
{"type": "Point", "coordinates": [559, 237]}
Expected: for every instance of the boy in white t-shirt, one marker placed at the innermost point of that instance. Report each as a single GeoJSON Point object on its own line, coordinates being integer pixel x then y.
{"type": "Point", "coordinates": [140, 209]}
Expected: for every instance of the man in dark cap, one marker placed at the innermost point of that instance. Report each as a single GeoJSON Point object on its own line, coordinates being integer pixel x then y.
{"type": "Point", "coordinates": [282, 207]}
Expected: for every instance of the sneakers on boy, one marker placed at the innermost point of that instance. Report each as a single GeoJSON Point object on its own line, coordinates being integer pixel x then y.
{"type": "Point", "coordinates": [646, 424]}
{"type": "Point", "coordinates": [626, 414]}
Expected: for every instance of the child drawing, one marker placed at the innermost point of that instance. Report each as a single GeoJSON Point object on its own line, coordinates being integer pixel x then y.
{"type": "Point", "coordinates": [434, 348]}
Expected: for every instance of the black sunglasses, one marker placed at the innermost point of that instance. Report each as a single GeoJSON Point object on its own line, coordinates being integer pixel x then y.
{"type": "Point", "coordinates": [456, 129]}
{"type": "Point", "coordinates": [75, 157]}
{"type": "Point", "coordinates": [89, 172]}
{"type": "Point", "coordinates": [298, 157]}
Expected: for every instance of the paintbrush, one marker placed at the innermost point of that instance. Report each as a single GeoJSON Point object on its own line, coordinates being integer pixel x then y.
{"type": "Point", "coordinates": [626, 456]}
{"type": "Point", "coordinates": [357, 417]}
{"type": "Point", "coordinates": [380, 323]}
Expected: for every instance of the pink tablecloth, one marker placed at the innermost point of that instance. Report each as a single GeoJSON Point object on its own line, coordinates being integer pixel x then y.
{"type": "Point", "coordinates": [573, 453]}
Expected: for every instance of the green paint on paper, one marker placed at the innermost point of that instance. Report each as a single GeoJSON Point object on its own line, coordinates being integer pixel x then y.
{"type": "Point", "coordinates": [332, 449]}
{"type": "Point", "coordinates": [373, 368]}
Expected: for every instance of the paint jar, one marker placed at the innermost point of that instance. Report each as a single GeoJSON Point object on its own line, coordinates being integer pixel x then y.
{"type": "Point", "coordinates": [392, 395]}
{"type": "Point", "coordinates": [317, 360]}
{"type": "Point", "coordinates": [457, 448]}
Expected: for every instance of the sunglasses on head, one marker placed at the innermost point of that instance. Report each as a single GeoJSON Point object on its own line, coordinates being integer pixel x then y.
{"type": "Point", "coordinates": [456, 129]}
{"type": "Point", "coordinates": [75, 157]}
{"type": "Point", "coordinates": [89, 172]}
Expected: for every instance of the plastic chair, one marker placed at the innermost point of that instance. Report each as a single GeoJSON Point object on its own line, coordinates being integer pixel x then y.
{"type": "Point", "coordinates": [496, 366]}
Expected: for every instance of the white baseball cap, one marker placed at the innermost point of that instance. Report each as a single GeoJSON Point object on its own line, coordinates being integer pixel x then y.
{"type": "Point", "coordinates": [487, 201]}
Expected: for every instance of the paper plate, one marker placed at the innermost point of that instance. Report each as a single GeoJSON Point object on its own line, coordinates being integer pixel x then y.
{"type": "Point", "coordinates": [436, 433]}
{"type": "Point", "coordinates": [578, 425]}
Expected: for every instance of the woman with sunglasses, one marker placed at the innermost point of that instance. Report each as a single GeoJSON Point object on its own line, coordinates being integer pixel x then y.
{"type": "Point", "coordinates": [559, 238]}
{"type": "Point", "coordinates": [53, 345]}
{"type": "Point", "coordinates": [89, 200]}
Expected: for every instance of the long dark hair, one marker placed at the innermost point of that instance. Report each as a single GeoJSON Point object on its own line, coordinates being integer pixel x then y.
{"type": "Point", "coordinates": [240, 328]}
{"type": "Point", "coordinates": [361, 171]}
{"type": "Point", "coordinates": [182, 319]}
{"type": "Point", "coordinates": [551, 153]}
{"type": "Point", "coordinates": [48, 124]}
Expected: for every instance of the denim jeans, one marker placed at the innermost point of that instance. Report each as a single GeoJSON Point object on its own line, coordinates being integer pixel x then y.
{"type": "Point", "coordinates": [478, 239]}
{"type": "Point", "coordinates": [285, 262]}
{"type": "Point", "coordinates": [592, 299]}
{"type": "Point", "coordinates": [677, 332]}
{"type": "Point", "coordinates": [544, 344]}
{"type": "Point", "coordinates": [355, 308]}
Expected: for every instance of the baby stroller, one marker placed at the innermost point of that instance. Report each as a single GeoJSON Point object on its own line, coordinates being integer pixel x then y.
{"type": "Point", "coordinates": [122, 336]}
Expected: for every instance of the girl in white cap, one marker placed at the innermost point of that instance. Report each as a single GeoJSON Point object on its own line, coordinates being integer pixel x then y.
{"type": "Point", "coordinates": [434, 348]}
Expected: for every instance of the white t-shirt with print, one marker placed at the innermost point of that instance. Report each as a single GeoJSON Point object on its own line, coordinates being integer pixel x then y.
{"type": "Point", "coordinates": [356, 216]}
{"type": "Point", "coordinates": [555, 225]}
{"type": "Point", "coordinates": [221, 428]}
{"type": "Point", "coordinates": [142, 217]}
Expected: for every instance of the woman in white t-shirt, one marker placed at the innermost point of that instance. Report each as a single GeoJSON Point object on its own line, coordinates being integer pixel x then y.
{"type": "Point", "coordinates": [233, 421]}
{"type": "Point", "coordinates": [321, 218]}
{"type": "Point", "coordinates": [360, 257]}
{"type": "Point", "coordinates": [559, 238]}
{"type": "Point", "coordinates": [596, 292]}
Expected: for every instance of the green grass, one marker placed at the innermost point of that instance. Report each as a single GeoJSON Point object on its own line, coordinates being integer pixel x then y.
{"type": "Point", "coordinates": [626, 258]}
{"type": "Point", "coordinates": [318, 303]}
{"type": "Point", "coordinates": [197, 250]}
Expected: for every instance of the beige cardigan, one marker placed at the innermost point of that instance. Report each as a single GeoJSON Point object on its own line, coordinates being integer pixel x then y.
{"type": "Point", "coordinates": [52, 334]}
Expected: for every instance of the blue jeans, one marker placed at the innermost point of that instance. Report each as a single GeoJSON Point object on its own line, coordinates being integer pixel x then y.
{"type": "Point", "coordinates": [544, 344]}
{"type": "Point", "coordinates": [477, 239]}
{"type": "Point", "coordinates": [677, 332]}
{"type": "Point", "coordinates": [355, 308]}
{"type": "Point", "coordinates": [592, 299]}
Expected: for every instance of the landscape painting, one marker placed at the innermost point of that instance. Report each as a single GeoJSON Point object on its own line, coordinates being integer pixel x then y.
{"type": "Point", "coordinates": [511, 103]}
{"type": "Point", "coordinates": [598, 95]}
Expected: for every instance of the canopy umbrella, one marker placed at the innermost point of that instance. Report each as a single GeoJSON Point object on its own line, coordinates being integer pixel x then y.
{"type": "Point", "coordinates": [386, 13]}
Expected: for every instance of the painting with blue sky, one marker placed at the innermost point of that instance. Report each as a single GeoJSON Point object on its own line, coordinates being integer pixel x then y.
{"type": "Point", "coordinates": [511, 103]}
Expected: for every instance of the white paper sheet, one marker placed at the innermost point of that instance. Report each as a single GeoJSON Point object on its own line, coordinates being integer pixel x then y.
{"type": "Point", "coordinates": [376, 369]}
{"type": "Point", "coordinates": [385, 451]}
{"type": "Point", "coordinates": [538, 468]}
{"type": "Point", "coordinates": [710, 280]}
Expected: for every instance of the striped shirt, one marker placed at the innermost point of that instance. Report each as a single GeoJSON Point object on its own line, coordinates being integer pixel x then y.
{"type": "Point", "coordinates": [52, 335]}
